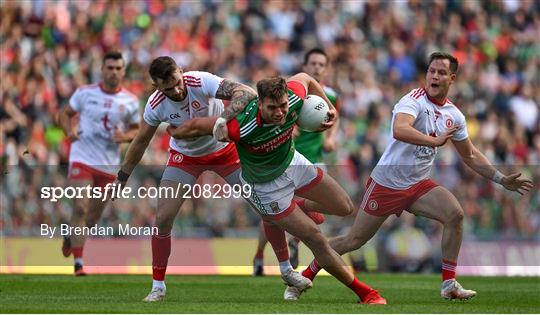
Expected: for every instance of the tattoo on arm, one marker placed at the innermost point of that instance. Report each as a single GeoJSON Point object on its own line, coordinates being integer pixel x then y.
{"type": "Point", "coordinates": [239, 95]}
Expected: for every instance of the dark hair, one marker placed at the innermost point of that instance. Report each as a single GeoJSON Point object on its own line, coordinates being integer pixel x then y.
{"type": "Point", "coordinates": [442, 55]}
{"type": "Point", "coordinates": [162, 67]}
{"type": "Point", "coordinates": [314, 51]}
{"type": "Point", "coordinates": [113, 54]}
{"type": "Point", "coordinates": [274, 87]}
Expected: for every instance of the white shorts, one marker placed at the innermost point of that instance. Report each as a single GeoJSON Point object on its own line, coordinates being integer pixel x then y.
{"type": "Point", "coordinates": [275, 198]}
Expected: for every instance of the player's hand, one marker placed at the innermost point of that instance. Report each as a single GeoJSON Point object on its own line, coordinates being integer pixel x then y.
{"type": "Point", "coordinates": [329, 144]}
{"type": "Point", "coordinates": [173, 131]}
{"type": "Point", "coordinates": [119, 136]}
{"type": "Point", "coordinates": [332, 117]}
{"type": "Point", "coordinates": [514, 183]}
{"type": "Point", "coordinates": [220, 131]}
{"type": "Point", "coordinates": [74, 134]}
{"type": "Point", "coordinates": [442, 139]}
{"type": "Point", "coordinates": [295, 132]}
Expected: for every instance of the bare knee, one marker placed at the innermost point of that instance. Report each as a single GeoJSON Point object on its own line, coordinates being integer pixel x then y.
{"type": "Point", "coordinates": [456, 216]}
{"type": "Point", "coordinates": [346, 206]}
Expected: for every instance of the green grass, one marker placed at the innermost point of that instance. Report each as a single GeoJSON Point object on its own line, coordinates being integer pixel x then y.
{"type": "Point", "coordinates": [244, 294]}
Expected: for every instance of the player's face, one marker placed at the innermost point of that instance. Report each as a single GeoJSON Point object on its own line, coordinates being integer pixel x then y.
{"type": "Point", "coordinates": [113, 72]}
{"type": "Point", "coordinates": [173, 87]}
{"type": "Point", "coordinates": [316, 66]}
{"type": "Point", "coordinates": [274, 111]}
{"type": "Point", "coordinates": [439, 78]}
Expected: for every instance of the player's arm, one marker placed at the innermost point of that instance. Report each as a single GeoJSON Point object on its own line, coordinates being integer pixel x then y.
{"type": "Point", "coordinates": [64, 120]}
{"type": "Point", "coordinates": [313, 87]}
{"type": "Point", "coordinates": [239, 95]}
{"type": "Point", "coordinates": [330, 135]}
{"type": "Point", "coordinates": [127, 136]}
{"type": "Point", "coordinates": [481, 165]}
{"type": "Point", "coordinates": [195, 127]}
{"type": "Point", "coordinates": [403, 130]}
{"type": "Point", "coordinates": [136, 150]}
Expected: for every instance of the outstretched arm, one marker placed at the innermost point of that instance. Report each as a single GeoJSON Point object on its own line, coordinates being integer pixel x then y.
{"type": "Point", "coordinates": [195, 127]}
{"type": "Point", "coordinates": [136, 149]}
{"type": "Point", "coordinates": [403, 130]}
{"type": "Point", "coordinates": [240, 95]}
{"type": "Point", "coordinates": [481, 165]}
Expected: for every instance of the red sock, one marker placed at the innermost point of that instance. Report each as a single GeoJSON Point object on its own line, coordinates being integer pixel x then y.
{"type": "Point", "coordinates": [161, 249]}
{"type": "Point", "coordinates": [448, 269]}
{"type": "Point", "coordinates": [311, 271]}
{"type": "Point", "coordinates": [276, 238]}
{"type": "Point", "coordinates": [77, 252]}
{"type": "Point", "coordinates": [361, 289]}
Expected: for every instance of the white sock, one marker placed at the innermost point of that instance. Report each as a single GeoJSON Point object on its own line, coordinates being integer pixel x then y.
{"type": "Point", "coordinates": [158, 284]}
{"type": "Point", "coordinates": [285, 266]}
{"type": "Point", "coordinates": [79, 261]}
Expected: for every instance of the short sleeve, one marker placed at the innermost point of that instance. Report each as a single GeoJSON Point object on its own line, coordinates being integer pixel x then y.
{"type": "Point", "coordinates": [407, 106]}
{"type": "Point", "coordinates": [233, 128]}
{"type": "Point", "coordinates": [210, 83]}
{"type": "Point", "coordinates": [76, 100]}
{"type": "Point", "coordinates": [461, 133]}
{"type": "Point", "coordinates": [150, 116]}
{"type": "Point", "coordinates": [297, 88]}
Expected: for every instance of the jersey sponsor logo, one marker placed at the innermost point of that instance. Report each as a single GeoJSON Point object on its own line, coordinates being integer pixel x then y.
{"type": "Point", "coordinates": [106, 121]}
{"type": "Point", "coordinates": [448, 123]}
{"type": "Point", "coordinates": [175, 116]}
{"type": "Point", "coordinates": [196, 105]}
{"type": "Point", "coordinates": [424, 153]}
{"type": "Point", "coordinates": [272, 144]}
{"type": "Point", "coordinates": [373, 205]}
{"type": "Point", "coordinates": [178, 158]}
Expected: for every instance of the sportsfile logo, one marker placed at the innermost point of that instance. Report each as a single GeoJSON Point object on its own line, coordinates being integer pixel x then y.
{"type": "Point", "coordinates": [114, 191]}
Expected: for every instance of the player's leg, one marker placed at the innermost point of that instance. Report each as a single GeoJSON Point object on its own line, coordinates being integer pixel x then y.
{"type": "Point", "coordinates": [324, 194]}
{"type": "Point", "coordinates": [258, 260]}
{"type": "Point", "coordinates": [298, 223]}
{"type": "Point", "coordinates": [440, 204]}
{"type": "Point", "coordinates": [78, 176]}
{"type": "Point", "coordinates": [271, 232]}
{"type": "Point", "coordinates": [173, 179]}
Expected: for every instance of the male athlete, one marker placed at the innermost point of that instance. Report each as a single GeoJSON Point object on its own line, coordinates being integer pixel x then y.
{"type": "Point", "coordinates": [276, 172]}
{"type": "Point", "coordinates": [180, 98]}
{"type": "Point", "coordinates": [109, 115]}
{"type": "Point", "coordinates": [311, 145]}
{"type": "Point", "coordinates": [423, 120]}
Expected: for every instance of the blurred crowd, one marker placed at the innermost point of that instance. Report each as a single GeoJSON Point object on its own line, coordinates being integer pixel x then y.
{"type": "Point", "coordinates": [378, 52]}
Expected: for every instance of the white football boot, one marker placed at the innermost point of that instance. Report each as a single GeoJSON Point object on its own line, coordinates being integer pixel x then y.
{"type": "Point", "coordinates": [451, 290]}
{"type": "Point", "coordinates": [291, 294]}
{"type": "Point", "coordinates": [295, 279]}
{"type": "Point", "coordinates": [157, 294]}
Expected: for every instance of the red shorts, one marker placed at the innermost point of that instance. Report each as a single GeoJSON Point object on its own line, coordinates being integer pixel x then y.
{"type": "Point", "coordinates": [382, 201]}
{"type": "Point", "coordinates": [80, 171]}
{"type": "Point", "coordinates": [224, 162]}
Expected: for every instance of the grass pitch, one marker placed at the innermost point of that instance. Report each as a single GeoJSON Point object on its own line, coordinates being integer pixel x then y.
{"type": "Point", "coordinates": [244, 294]}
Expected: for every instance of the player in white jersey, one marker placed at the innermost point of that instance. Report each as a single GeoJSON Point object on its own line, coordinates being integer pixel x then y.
{"type": "Point", "coordinates": [423, 120]}
{"type": "Point", "coordinates": [178, 99]}
{"type": "Point", "coordinates": [108, 116]}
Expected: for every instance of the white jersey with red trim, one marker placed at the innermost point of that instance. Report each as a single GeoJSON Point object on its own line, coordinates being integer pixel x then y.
{"type": "Point", "coordinates": [200, 101]}
{"type": "Point", "coordinates": [403, 164]}
{"type": "Point", "coordinates": [100, 114]}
